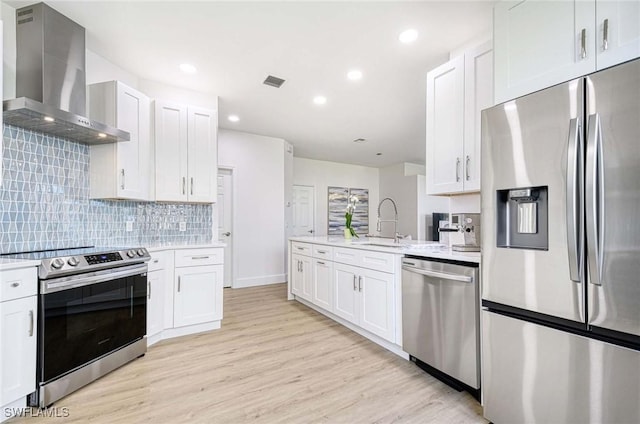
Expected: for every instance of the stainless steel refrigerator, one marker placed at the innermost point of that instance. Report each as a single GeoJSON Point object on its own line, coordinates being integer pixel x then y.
{"type": "Point", "coordinates": [561, 253]}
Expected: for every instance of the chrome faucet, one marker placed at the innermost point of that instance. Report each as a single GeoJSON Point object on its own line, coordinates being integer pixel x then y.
{"type": "Point", "coordinates": [396, 238]}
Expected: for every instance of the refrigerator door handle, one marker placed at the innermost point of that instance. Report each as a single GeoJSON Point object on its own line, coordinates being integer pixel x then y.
{"type": "Point", "coordinates": [595, 200]}
{"type": "Point", "coordinates": [574, 201]}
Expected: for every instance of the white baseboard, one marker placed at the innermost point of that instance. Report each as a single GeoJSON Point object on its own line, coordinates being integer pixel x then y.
{"type": "Point", "coordinates": [259, 281]}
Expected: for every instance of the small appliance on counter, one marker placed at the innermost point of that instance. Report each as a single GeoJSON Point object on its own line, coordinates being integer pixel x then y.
{"type": "Point", "coordinates": [468, 226]}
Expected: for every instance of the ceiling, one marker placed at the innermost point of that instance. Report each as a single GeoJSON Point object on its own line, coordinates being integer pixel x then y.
{"type": "Point", "coordinates": [312, 45]}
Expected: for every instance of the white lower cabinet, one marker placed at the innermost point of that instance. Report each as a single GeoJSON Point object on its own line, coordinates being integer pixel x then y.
{"type": "Point", "coordinates": [156, 282]}
{"type": "Point", "coordinates": [198, 295]}
{"type": "Point", "coordinates": [323, 284]}
{"type": "Point", "coordinates": [302, 284]}
{"type": "Point", "coordinates": [365, 297]}
{"type": "Point", "coordinates": [18, 335]}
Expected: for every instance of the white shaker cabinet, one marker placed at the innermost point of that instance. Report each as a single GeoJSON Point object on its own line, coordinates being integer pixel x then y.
{"type": "Point", "coordinates": [618, 32]}
{"type": "Point", "coordinates": [198, 286]}
{"type": "Point", "coordinates": [457, 91]}
{"type": "Point", "coordinates": [186, 154]}
{"type": "Point", "coordinates": [302, 277]}
{"type": "Point", "coordinates": [538, 44]}
{"type": "Point", "coordinates": [18, 334]}
{"type": "Point", "coordinates": [156, 282]}
{"type": "Point", "coordinates": [121, 170]}
{"type": "Point", "coordinates": [322, 291]}
{"type": "Point", "coordinates": [365, 297]}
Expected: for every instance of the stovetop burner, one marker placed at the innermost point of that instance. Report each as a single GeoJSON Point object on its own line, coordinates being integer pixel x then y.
{"type": "Point", "coordinates": [76, 260]}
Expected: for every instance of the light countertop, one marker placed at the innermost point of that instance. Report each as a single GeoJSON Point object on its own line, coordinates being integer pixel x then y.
{"type": "Point", "coordinates": [425, 249]}
{"type": "Point", "coordinates": [158, 248]}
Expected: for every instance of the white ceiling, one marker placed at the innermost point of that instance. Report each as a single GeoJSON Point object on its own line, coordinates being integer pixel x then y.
{"type": "Point", "coordinates": [312, 45]}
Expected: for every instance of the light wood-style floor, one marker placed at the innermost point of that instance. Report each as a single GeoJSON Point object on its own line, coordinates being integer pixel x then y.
{"type": "Point", "coordinates": [273, 361]}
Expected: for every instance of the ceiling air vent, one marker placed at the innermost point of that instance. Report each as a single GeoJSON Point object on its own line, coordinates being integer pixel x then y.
{"type": "Point", "coordinates": [274, 81]}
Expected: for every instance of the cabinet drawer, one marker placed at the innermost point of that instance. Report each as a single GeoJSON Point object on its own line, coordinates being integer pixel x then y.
{"type": "Point", "coordinates": [158, 261]}
{"type": "Point", "coordinates": [18, 283]}
{"type": "Point", "coordinates": [301, 248]}
{"type": "Point", "coordinates": [197, 257]}
{"type": "Point", "coordinates": [378, 261]}
{"type": "Point", "coordinates": [323, 252]}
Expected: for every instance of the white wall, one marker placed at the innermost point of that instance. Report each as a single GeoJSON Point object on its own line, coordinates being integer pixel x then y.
{"type": "Point", "coordinates": [258, 164]}
{"type": "Point", "coordinates": [99, 69]}
{"type": "Point", "coordinates": [322, 174]}
{"type": "Point", "coordinates": [466, 203]}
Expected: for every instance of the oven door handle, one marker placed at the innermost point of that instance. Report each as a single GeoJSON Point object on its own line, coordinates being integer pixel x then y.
{"type": "Point", "coordinates": [74, 281]}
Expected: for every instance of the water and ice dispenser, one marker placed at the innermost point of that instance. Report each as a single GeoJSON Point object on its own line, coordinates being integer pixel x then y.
{"type": "Point", "coordinates": [523, 218]}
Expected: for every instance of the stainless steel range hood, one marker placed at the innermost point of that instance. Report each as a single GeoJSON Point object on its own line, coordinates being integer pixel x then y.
{"type": "Point", "coordinates": [50, 79]}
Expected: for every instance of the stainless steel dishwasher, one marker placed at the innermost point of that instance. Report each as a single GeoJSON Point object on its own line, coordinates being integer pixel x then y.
{"type": "Point", "coordinates": [440, 320]}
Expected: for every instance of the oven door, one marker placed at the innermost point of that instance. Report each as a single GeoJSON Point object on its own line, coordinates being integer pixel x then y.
{"type": "Point", "coordinates": [86, 316]}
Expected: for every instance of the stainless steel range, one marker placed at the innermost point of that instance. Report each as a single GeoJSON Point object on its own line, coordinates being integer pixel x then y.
{"type": "Point", "coordinates": [92, 316]}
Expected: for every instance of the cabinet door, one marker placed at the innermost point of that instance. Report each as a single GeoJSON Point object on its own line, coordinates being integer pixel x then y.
{"type": "Point", "coordinates": [478, 95]}
{"type": "Point", "coordinates": [307, 277]}
{"type": "Point", "coordinates": [198, 295]}
{"type": "Point", "coordinates": [445, 127]}
{"type": "Point", "coordinates": [323, 284]}
{"type": "Point", "coordinates": [203, 154]}
{"type": "Point", "coordinates": [538, 44]}
{"type": "Point", "coordinates": [155, 302]}
{"type": "Point", "coordinates": [170, 123]}
{"type": "Point", "coordinates": [346, 299]}
{"type": "Point", "coordinates": [18, 320]}
{"type": "Point", "coordinates": [297, 281]}
{"type": "Point", "coordinates": [618, 38]}
{"type": "Point", "coordinates": [133, 156]}
{"type": "Point", "coordinates": [377, 310]}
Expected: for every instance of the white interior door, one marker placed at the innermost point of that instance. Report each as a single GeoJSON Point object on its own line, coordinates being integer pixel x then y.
{"type": "Point", "coordinates": [225, 221]}
{"type": "Point", "coordinates": [303, 210]}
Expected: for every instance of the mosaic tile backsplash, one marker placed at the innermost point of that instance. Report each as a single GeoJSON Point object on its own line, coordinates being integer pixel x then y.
{"type": "Point", "coordinates": [44, 203]}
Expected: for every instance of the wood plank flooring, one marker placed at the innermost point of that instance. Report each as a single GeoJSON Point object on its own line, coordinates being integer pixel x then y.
{"type": "Point", "coordinates": [273, 361]}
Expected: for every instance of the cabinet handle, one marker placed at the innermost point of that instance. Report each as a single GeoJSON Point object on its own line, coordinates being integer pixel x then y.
{"type": "Point", "coordinates": [16, 284]}
{"type": "Point", "coordinates": [583, 43]}
{"type": "Point", "coordinates": [321, 263]}
{"type": "Point", "coordinates": [155, 261]}
{"type": "Point", "coordinates": [605, 35]}
{"type": "Point", "coordinates": [322, 252]}
{"type": "Point", "coordinates": [148, 289]}
{"type": "Point", "coordinates": [299, 266]}
{"type": "Point", "coordinates": [199, 257]}
{"type": "Point", "coordinates": [192, 186]}
{"type": "Point", "coordinates": [178, 284]}
{"type": "Point", "coordinates": [466, 168]}
{"type": "Point", "coordinates": [184, 185]}
{"type": "Point", "coordinates": [122, 179]}
{"type": "Point", "coordinates": [31, 323]}
{"type": "Point", "coordinates": [360, 283]}
{"type": "Point", "coordinates": [354, 282]}
{"type": "Point", "coordinates": [457, 169]}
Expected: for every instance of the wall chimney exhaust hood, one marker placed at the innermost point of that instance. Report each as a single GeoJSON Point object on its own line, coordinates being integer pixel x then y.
{"type": "Point", "coordinates": [50, 79]}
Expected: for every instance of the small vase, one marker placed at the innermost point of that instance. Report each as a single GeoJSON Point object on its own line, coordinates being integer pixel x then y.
{"type": "Point", "coordinates": [347, 234]}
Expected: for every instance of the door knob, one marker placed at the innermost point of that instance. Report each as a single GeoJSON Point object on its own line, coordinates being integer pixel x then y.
{"type": "Point", "coordinates": [310, 231]}
{"type": "Point", "coordinates": [227, 234]}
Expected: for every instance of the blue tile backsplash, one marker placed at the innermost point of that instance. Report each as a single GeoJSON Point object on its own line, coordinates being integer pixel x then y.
{"type": "Point", "coordinates": [44, 202]}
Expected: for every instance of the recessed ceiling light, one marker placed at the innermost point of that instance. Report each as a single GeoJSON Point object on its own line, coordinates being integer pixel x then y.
{"type": "Point", "coordinates": [233, 118]}
{"type": "Point", "coordinates": [49, 119]}
{"type": "Point", "coordinates": [188, 68]}
{"type": "Point", "coordinates": [408, 36]}
{"type": "Point", "coordinates": [354, 75]}
{"type": "Point", "coordinates": [102, 135]}
{"type": "Point", "coordinates": [319, 100]}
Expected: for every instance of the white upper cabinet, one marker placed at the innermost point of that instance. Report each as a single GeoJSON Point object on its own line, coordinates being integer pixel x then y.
{"type": "Point", "coordinates": [121, 170]}
{"type": "Point", "coordinates": [457, 91]}
{"type": "Point", "coordinates": [618, 25]}
{"type": "Point", "coordinates": [538, 44]}
{"type": "Point", "coordinates": [186, 153]}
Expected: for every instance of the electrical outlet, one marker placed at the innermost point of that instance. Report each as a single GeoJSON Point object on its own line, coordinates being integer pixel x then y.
{"type": "Point", "coordinates": [183, 226]}
{"type": "Point", "coordinates": [129, 226]}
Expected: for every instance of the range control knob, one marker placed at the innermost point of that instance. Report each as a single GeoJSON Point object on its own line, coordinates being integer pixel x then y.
{"type": "Point", "coordinates": [140, 252]}
{"type": "Point", "coordinates": [57, 263]}
{"type": "Point", "coordinates": [73, 261]}
{"type": "Point", "coordinates": [131, 253]}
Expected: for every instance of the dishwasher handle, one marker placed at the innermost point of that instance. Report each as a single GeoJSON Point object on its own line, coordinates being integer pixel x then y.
{"type": "Point", "coordinates": [443, 275]}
